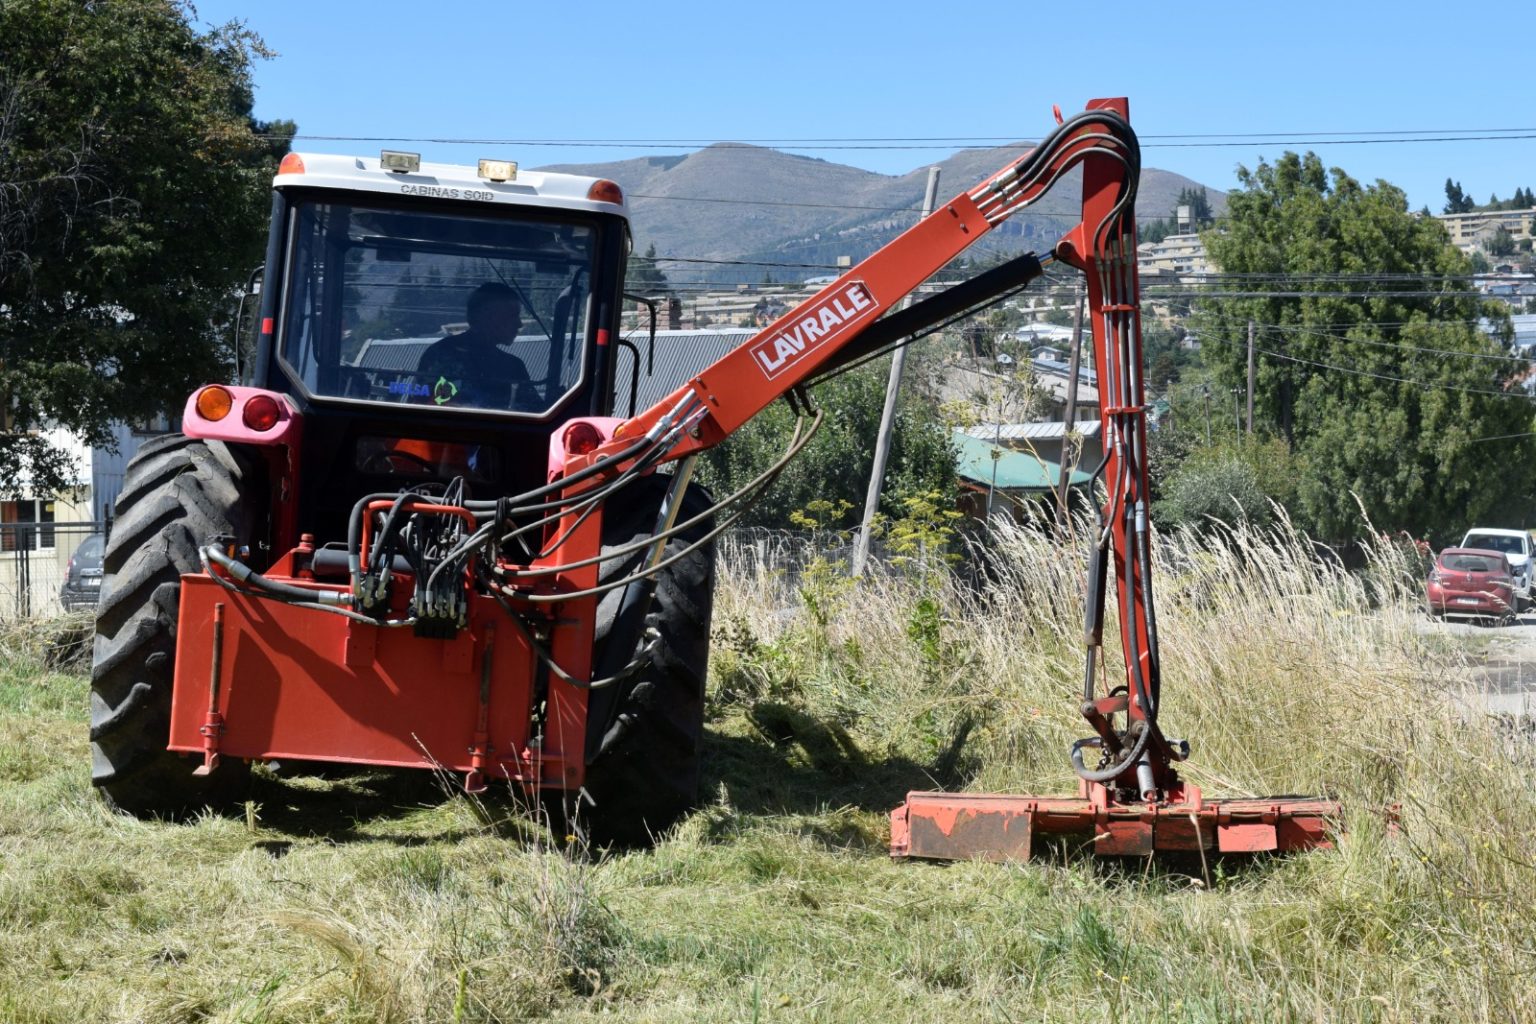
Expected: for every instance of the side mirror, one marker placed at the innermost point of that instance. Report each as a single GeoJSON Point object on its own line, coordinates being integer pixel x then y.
{"type": "Point", "coordinates": [650, 352]}
{"type": "Point", "coordinates": [245, 341]}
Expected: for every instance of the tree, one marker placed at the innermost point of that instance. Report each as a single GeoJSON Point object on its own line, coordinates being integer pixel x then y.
{"type": "Point", "coordinates": [644, 277]}
{"type": "Point", "coordinates": [1501, 242]}
{"type": "Point", "coordinates": [1387, 392]}
{"type": "Point", "coordinates": [1238, 480]}
{"type": "Point", "coordinates": [835, 466]}
{"type": "Point", "coordinates": [1457, 201]}
{"type": "Point", "coordinates": [133, 202]}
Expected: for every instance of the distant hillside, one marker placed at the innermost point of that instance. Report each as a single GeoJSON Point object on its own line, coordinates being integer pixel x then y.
{"type": "Point", "coordinates": [733, 201]}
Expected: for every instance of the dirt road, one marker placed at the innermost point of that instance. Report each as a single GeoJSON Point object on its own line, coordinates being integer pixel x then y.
{"type": "Point", "coordinates": [1504, 659]}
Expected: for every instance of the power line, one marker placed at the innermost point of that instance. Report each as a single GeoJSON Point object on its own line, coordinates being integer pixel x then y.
{"type": "Point", "coordinates": [1300, 276]}
{"type": "Point", "coordinates": [1356, 323]}
{"type": "Point", "coordinates": [1340, 275]}
{"type": "Point", "coordinates": [1387, 344]}
{"type": "Point", "coordinates": [1337, 142]}
{"type": "Point", "coordinates": [775, 202]}
{"type": "Point", "coordinates": [1165, 295]}
{"type": "Point", "coordinates": [1500, 437]}
{"type": "Point", "coordinates": [1149, 140]}
{"type": "Point", "coordinates": [736, 263]}
{"type": "Point", "coordinates": [1140, 217]}
{"type": "Point", "coordinates": [1400, 380]}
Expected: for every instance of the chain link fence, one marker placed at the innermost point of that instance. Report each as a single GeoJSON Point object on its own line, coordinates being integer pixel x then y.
{"type": "Point", "coordinates": [48, 568]}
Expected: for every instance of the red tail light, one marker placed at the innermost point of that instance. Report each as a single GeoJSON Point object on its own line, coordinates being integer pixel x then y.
{"type": "Point", "coordinates": [261, 412]}
{"type": "Point", "coordinates": [581, 438]}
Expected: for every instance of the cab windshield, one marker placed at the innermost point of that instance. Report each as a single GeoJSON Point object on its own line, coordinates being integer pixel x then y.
{"type": "Point", "coordinates": [439, 310]}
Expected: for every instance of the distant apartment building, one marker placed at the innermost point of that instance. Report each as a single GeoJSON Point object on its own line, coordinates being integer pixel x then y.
{"type": "Point", "coordinates": [1471, 231]}
{"type": "Point", "coordinates": [1177, 255]}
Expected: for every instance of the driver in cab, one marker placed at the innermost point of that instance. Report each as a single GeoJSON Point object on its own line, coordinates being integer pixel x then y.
{"type": "Point", "coordinates": [474, 368]}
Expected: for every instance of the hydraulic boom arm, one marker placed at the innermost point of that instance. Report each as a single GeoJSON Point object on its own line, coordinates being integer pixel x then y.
{"type": "Point", "coordinates": [844, 322]}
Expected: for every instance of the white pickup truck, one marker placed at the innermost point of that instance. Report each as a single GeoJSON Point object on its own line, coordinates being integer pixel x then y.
{"type": "Point", "coordinates": [1517, 547]}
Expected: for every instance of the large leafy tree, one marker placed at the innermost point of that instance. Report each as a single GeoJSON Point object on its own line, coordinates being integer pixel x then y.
{"type": "Point", "coordinates": [133, 194]}
{"type": "Point", "coordinates": [1373, 360]}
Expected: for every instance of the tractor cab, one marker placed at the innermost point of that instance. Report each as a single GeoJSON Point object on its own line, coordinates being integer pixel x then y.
{"type": "Point", "coordinates": [429, 322]}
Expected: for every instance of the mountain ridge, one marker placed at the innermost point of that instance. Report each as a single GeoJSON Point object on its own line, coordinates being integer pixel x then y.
{"type": "Point", "coordinates": [740, 202]}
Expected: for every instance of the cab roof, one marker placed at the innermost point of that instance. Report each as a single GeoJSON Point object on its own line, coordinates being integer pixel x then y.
{"type": "Point", "coordinates": [449, 182]}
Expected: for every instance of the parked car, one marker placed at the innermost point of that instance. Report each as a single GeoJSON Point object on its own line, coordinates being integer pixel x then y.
{"type": "Point", "coordinates": [82, 580]}
{"type": "Point", "coordinates": [1470, 583]}
{"type": "Point", "coordinates": [1517, 546]}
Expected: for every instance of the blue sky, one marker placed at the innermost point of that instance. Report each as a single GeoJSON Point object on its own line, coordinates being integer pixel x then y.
{"type": "Point", "coordinates": [793, 70]}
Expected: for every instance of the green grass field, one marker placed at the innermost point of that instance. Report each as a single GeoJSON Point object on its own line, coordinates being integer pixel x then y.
{"type": "Point", "coordinates": [389, 897]}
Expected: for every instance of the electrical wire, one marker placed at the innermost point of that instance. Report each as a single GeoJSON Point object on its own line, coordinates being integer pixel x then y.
{"type": "Point", "coordinates": [583, 503]}
{"type": "Point", "coordinates": [548, 659]}
{"type": "Point", "coordinates": [1430, 385]}
{"type": "Point", "coordinates": [1157, 294]}
{"type": "Point", "coordinates": [766, 479]}
{"type": "Point", "coordinates": [1289, 329]}
{"type": "Point", "coordinates": [627, 549]}
{"type": "Point", "coordinates": [1209, 140]}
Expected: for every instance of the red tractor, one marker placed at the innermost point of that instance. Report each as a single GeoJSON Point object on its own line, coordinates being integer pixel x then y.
{"type": "Point", "coordinates": [423, 535]}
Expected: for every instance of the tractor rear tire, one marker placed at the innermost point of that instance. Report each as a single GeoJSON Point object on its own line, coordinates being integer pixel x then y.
{"type": "Point", "coordinates": [649, 777]}
{"type": "Point", "coordinates": [178, 494]}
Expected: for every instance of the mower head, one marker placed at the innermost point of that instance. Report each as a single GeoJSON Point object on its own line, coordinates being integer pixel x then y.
{"type": "Point", "coordinates": [994, 827]}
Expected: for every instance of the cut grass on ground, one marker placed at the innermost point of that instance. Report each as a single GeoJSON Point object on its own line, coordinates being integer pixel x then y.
{"type": "Point", "coordinates": [385, 897]}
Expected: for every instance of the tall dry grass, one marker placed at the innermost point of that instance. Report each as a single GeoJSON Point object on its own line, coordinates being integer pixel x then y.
{"type": "Point", "coordinates": [1288, 673]}
{"type": "Point", "coordinates": [383, 898]}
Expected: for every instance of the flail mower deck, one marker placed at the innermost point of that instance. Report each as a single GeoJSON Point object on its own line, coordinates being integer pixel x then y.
{"type": "Point", "coordinates": [997, 827]}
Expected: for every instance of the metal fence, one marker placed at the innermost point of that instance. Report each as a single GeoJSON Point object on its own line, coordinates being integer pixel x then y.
{"type": "Point", "coordinates": [47, 568]}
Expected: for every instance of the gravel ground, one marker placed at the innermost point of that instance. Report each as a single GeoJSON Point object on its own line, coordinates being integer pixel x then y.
{"type": "Point", "coordinates": [1506, 671]}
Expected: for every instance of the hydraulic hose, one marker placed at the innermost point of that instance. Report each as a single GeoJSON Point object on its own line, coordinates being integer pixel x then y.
{"type": "Point", "coordinates": [253, 584]}
{"type": "Point", "coordinates": [1127, 760]}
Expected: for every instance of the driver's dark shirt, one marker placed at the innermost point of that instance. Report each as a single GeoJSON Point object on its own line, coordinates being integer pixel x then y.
{"type": "Point", "coordinates": [484, 374]}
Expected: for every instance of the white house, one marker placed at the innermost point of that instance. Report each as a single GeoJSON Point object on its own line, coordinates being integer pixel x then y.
{"type": "Point", "coordinates": [39, 532]}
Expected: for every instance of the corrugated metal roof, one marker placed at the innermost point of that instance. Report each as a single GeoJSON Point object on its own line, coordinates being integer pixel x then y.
{"type": "Point", "coordinates": [680, 356]}
{"type": "Point", "coordinates": [1064, 370]}
{"type": "Point", "coordinates": [1031, 431]}
{"type": "Point", "coordinates": [1525, 329]}
{"type": "Point", "coordinates": [986, 464]}
{"type": "Point", "coordinates": [1087, 394]}
{"type": "Point", "coordinates": [403, 355]}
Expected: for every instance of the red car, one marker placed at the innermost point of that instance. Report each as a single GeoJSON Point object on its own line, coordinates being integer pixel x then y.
{"type": "Point", "coordinates": [1471, 583]}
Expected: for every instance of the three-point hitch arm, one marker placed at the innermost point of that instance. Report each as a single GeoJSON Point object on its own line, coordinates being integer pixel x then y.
{"type": "Point", "coordinates": [855, 317]}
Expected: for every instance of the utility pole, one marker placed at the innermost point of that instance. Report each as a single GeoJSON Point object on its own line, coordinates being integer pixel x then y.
{"type": "Point", "coordinates": [1251, 375]}
{"type": "Point", "coordinates": [1069, 419]}
{"type": "Point", "coordinates": [1206, 390]}
{"type": "Point", "coordinates": [997, 456]}
{"type": "Point", "coordinates": [887, 418]}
